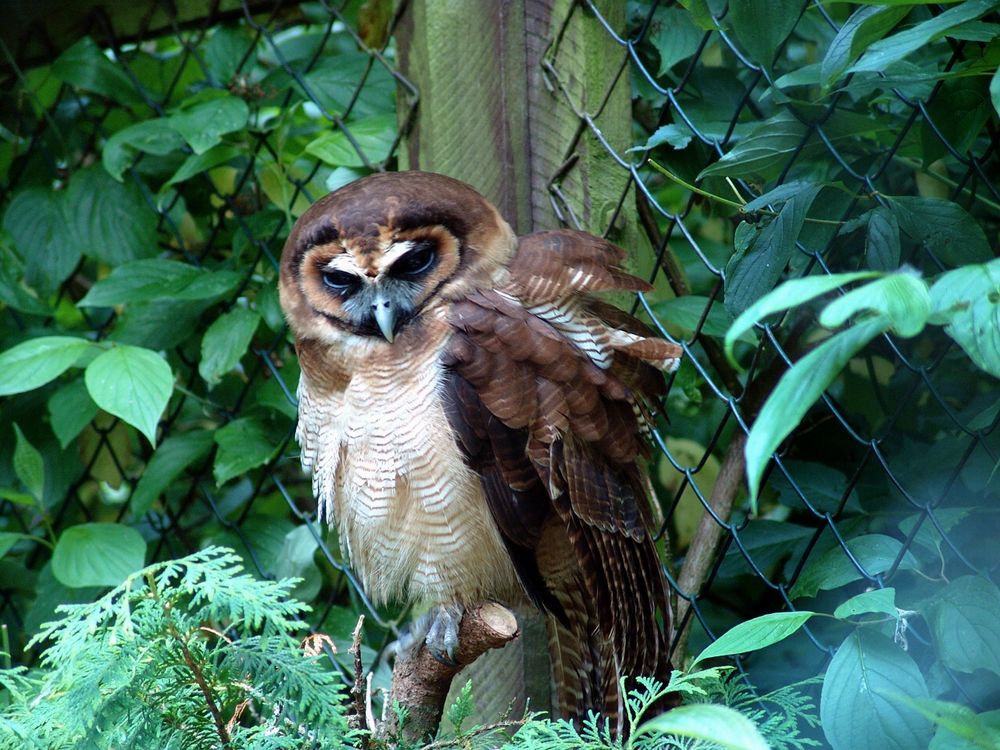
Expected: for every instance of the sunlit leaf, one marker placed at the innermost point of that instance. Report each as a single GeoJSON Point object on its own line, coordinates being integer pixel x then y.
{"type": "Point", "coordinates": [97, 554]}
{"type": "Point", "coordinates": [755, 634]}
{"type": "Point", "coordinates": [35, 362]}
{"type": "Point", "coordinates": [225, 342]}
{"type": "Point", "coordinates": [132, 383]}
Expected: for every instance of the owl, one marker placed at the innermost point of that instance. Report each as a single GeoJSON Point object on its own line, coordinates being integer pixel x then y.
{"type": "Point", "coordinates": [474, 418]}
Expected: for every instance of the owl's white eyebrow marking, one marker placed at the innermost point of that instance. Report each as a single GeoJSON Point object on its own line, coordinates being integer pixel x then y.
{"type": "Point", "coordinates": [395, 251]}
{"type": "Point", "coordinates": [342, 262]}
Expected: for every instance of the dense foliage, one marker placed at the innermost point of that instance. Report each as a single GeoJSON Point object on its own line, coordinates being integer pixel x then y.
{"type": "Point", "coordinates": [147, 378]}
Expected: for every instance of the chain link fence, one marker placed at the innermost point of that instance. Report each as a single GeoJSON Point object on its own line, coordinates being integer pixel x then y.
{"type": "Point", "coordinates": [903, 444]}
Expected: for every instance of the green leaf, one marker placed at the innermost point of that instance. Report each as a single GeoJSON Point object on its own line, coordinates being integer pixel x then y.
{"type": "Point", "coordinates": [174, 455]}
{"type": "Point", "coordinates": [959, 110]}
{"type": "Point", "coordinates": [798, 390]}
{"type": "Point", "coordinates": [149, 136]}
{"type": "Point", "coordinates": [13, 290]}
{"type": "Point", "coordinates": [866, 25]}
{"type": "Point", "coordinates": [769, 144]}
{"type": "Point", "coordinates": [901, 298]}
{"type": "Point", "coordinates": [944, 228]}
{"type": "Point", "coordinates": [225, 342]}
{"type": "Point", "coordinates": [967, 301]}
{"type": "Point", "coordinates": [857, 708]}
{"type": "Point", "coordinates": [85, 66]}
{"type": "Point", "coordinates": [39, 223]}
{"type": "Point", "coordinates": [701, 14]}
{"type": "Point", "coordinates": [132, 383]}
{"type": "Point", "coordinates": [9, 538]}
{"type": "Point", "coordinates": [296, 559]}
{"type": "Point", "coordinates": [755, 634]}
{"type": "Point", "coordinates": [884, 52]}
{"type": "Point", "coordinates": [719, 726]}
{"type": "Point", "coordinates": [70, 410]}
{"type": "Point", "coordinates": [959, 728]}
{"type": "Point", "coordinates": [97, 554]}
{"type": "Point", "coordinates": [882, 241]}
{"type": "Point", "coordinates": [762, 27]}
{"type": "Point", "coordinates": [226, 49]}
{"type": "Point", "coordinates": [995, 91]}
{"type": "Point", "coordinates": [752, 274]}
{"type": "Point", "coordinates": [34, 363]}
{"type": "Point", "coordinates": [374, 136]}
{"type": "Point", "coordinates": [781, 194]}
{"type": "Point", "coordinates": [244, 444]}
{"type": "Point", "coordinates": [687, 311]}
{"type": "Point", "coordinates": [28, 465]}
{"type": "Point", "coordinates": [964, 619]}
{"type": "Point", "coordinates": [790, 294]}
{"type": "Point", "coordinates": [204, 124]}
{"type": "Point", "coordinates": [111, 220]}
{"type": "Point", "coordinates": [156, 278]}
{"type": "Point", "coordinates": [677, 136]}
{"type": "Point", "coordinates": [874, 552]}
{"type": "Point", "coordinates": [675, 37]}
{"type": "Point", "coordinates": [198, 163]}
{"type": "Point", "coordinates": [879, 600]}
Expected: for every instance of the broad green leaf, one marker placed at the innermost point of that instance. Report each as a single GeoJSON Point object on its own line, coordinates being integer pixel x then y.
{"type": "Point", "coordinates": [34, 363]}
{"type": "Point", "coordinates": [901, 298]}
{"type": "Point", "coordinates": [700, 13]}
{"type": "Point", "coordinates": [875, 552]}
{"type": "Point", "coordinates": [244, 444]}
{"type": "Point", "coordinates": [967, 302]}
{"type": "Point", "coordinates": [798, 390]}
{"type": "Point", "coordinates": [70, 410]}
{"type": "Point", "coordinates": [963, 619]}
{"type": "Point", "coordinates": [959, 728]}
{"type": "Point", "coordinates": [879, 600]}
{"type": "Point", "coordinates": [767, 543]}
{"type": "Point", "coordinates": [111, 219]}
{"type": "Point", "coordinates": [373, 135]}
{"type": "Point", "coordinates": [204, 124]}
{"type": "Point", "coordinates": [39, 223]}
{"type": "Point", "coordinates": [157, 278]}
{"type": "Point", "coordinates": [295, 560]}
{"type": "Point", "coordinates": [225, 342]}
{"type": "Point", "coordinates": [858, 708]}
{"type": "Point", "coordinates": [959, 110]}
{"type": "Point", "coordinates": [676, 135]}
{"type": "Point", "coordinates": [14, 292]}
{"type": "Point", "coordinates": [85, 66]}
{"type": "Point", "coordinates": [752, 274]}
{"type": "Point", "coordinates": [882, 241]}
{"type": "Point", "coordinates": [823, 487]}
{"type": "Point", "coordinates": [18, 498]}
{"type": "Point", "coordinates": [171, 458]}
{"type": "Point", "coordinates": [9, 538]}
{"type": "Point", "coordinates": [28, 465]}
{"type": "Point", "coordinates": [149, 136]}
{"type": "Point", "coordinates": [755, 634]}
{"type": "Point", "coordinates": [718, 726]}
{"type": "Point", "coordinates": [227, 49]}
{"type": "Point", "coordinates": [790, 294]}
{"type": "Point", "coordinates": [198, 163]}
{"type": "Point", "coordinates": [762, 27]}
{"type": "Point", "coordinates": [132, 383]}
{"type": "Point", "coordinates": [886, 51]}
{"type": "Point", "coordinates": [781, 194]}
{"type": "Point", "coordinates": [687, 311]}
{"type": "Point", "coordinates": [995, 91]}
{"type": "Point", "coordinates": [866, 25]}
{"type": "Point", "coordinates": [97, 554]}
{"type": "Point", "coordinates": [675, 37]}
{"type": "Point", "coordinates": [159, 324]}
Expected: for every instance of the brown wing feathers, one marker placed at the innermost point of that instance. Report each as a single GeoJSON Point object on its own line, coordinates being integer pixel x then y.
{"type": "Point", "coordinates": [555, 436]}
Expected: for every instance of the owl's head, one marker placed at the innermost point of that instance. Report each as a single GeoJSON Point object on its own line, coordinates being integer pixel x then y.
{"type": "Point", "coordinates": [370, 258]}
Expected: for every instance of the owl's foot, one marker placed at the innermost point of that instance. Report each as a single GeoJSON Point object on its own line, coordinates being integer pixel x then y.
{"type": "Point", "coordinates": [438, 630]}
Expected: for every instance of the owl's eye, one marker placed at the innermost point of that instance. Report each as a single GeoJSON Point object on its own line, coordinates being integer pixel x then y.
{"type": "Point", "coordinates": [340, 281]}
{"type": "Point", "coordinates": [415, 262]}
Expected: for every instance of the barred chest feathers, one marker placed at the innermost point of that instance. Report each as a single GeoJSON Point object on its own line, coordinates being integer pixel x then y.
{"type": "Point", "coordinates": [386, 469]}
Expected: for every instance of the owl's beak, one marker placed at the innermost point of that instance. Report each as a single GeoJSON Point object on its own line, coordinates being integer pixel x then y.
{"type": "Point", "coordinates": [385, 316]}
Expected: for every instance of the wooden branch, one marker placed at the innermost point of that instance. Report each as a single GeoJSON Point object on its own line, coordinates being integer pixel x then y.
{"type": "Point", "coordinates": [420, 683]}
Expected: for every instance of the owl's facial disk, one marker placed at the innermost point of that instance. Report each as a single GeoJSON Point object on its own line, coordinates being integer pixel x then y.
{"type": "Point", "coordinates": [376, 292]}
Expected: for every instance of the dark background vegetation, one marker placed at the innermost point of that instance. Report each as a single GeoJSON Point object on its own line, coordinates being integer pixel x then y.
{"type": "Point", "coordinates": [148, 178]}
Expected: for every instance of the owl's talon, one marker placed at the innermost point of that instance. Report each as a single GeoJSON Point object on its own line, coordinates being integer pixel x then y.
{"type": "Point", "coordinates": [442, 632]}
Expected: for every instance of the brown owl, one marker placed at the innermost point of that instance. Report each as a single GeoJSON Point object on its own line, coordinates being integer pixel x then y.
{"type": "Point", "coordinates": [473, 418]}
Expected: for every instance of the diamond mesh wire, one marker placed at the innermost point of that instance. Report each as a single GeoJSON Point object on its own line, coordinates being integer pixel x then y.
{"type": "Point", "coordinates": [907, 384]}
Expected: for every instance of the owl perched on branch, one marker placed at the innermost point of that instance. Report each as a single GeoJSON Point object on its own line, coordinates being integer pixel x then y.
{"type": "Point", "coordinates": [473, 418]}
